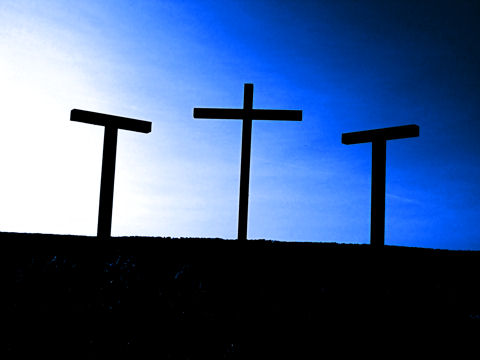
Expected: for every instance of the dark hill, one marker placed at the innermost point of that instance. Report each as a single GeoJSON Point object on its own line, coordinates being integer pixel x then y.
{"type": "Point", "coordinates": [134, 297]}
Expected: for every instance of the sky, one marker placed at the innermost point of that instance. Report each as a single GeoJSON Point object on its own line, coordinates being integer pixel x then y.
{"type": "Point", "coordinates": [348, 65]}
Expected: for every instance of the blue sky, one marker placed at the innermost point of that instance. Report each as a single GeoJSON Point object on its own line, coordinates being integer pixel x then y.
{"type": "Point", "coordinates": [349, 65]}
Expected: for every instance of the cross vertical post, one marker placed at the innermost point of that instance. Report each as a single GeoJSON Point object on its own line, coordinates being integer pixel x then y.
{"type": "Point", "coordinates": [245, 163]}
{"type": "Point", "coordinates": [107, 182]}
{"type": "Point", "coordinates": [247, 114]}
{"type": "Point", "coordinates": [379, 138]}
{"type": "Point", "coordinates": [111, 124]}
{"type": "Point", "coordinates": [377, 224]}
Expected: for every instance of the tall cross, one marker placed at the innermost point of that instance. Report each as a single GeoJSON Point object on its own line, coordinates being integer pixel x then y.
{"type": "Point", "coordinates": [111, 124]}
{"type": "Point", "coordinates": [379, 138]}
{"type": "Point", "coordinates": [247, 114]}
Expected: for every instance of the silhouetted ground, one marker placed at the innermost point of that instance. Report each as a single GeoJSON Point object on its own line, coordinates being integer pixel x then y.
{"type": "Point", "coordinates": [145, 298]}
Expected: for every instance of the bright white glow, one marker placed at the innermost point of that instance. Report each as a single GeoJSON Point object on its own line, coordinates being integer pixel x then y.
{"type": "Point", "coordinates": [50, 166]}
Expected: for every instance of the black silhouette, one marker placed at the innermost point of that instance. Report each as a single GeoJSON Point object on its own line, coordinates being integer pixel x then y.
{"type": "Point", "coordinates": [160, 298]}
{"type": "Point", "coordinates": [247, 114]}
{"type": "Point", "coordinates": [379, 138]}
{"type": "Point", "coordinates": [111, 124]}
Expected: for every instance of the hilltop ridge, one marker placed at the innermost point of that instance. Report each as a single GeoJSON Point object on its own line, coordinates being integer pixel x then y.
{"type": "Point", "coordinates": [201, 292]}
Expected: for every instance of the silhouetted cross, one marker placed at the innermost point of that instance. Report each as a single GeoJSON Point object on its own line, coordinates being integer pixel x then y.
{"type": "Point", "coordinates": [247, 114]}
{"type": "Point", "coordinates": [111, 124]}
{"type": "Point", "coordinates": [379, 138]}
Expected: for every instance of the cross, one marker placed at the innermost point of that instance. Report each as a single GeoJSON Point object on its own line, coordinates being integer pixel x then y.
{"type": "Point", "coordinates": [247, 114]}
{"type": "Point", "coordinates": [111, 124]}
{"type": "Point", "coordinates": [379, 138]}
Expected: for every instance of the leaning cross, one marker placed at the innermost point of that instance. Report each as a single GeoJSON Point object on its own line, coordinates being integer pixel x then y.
{"type": "Point", "coordinates": [247, 114]}
{"type": "Point", "coordinates": [112, 124]}
{"type": "Point", "coordinates": [378, 138]}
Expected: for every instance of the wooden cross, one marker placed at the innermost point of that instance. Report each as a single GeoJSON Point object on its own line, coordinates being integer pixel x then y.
{"type": "Point", "coordinates": [379, 138]}
{"type": "Point", "coordinates": [247, 114]}
{"type": "Point", "coordinates": [111, 124]}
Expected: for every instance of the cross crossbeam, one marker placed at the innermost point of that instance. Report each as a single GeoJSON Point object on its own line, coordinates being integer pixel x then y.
{"type": "Point", "coordinates": [379, 138]}
{"type": "Point", "coordinates": [254, 114]}
{"type": "Point", "coordinates": [119, 122]}
{"type": "Point", "coordinates": [247, 114]}
{"type": "Point", "coordinates": [112, 124]}
{"type": "Point", "coordinates": [390, 133]}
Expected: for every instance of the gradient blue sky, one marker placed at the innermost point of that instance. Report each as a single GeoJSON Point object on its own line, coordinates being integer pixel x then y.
{"type": "Point", "coordinates": [349, 65]}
